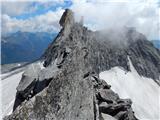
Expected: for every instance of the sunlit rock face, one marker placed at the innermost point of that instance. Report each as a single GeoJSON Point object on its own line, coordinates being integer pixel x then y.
{"type": "Point", "coordinates": [74, 91]}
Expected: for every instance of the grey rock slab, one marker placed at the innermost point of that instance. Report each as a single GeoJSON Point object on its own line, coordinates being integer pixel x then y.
{"type": "Point", "coordinates": [29, 76]}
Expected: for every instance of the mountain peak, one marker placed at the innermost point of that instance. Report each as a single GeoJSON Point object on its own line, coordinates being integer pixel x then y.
{"type": "Point", "coordinates": [67, 18]}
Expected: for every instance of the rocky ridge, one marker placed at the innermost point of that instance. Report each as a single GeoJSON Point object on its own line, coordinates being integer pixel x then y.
{"type": "Point", "coordinates": [68, 86]}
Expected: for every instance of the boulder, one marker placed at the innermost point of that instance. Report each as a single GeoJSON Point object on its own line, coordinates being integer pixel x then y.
{"type": "Point", "coordinates": [106, 117]}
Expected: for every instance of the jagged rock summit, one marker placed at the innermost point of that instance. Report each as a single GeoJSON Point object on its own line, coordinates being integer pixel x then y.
{"type": "Point", "coordinates": [67, 18]}
{"type": "Point", "coordinates": [68, 87]}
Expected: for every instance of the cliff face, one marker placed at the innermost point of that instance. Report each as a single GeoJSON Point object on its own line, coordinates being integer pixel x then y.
{"type": "Point", "coordinates": [68, 87]}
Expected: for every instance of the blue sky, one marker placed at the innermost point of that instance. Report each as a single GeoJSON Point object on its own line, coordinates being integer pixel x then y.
{"type": "Point", "coordinates": [43, 15]}
{"type": "Point", "coordinates": [42, 9]}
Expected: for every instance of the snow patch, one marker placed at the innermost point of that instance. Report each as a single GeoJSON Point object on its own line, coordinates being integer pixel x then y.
{"type": "Point", "coordinates": [8, 92]}
{"type": "Point", "coordinates": [41, 65]}
{"type": "Point", "coordinates": [144, 92]}
{"type": "Point", "coordinates": [4, 75]}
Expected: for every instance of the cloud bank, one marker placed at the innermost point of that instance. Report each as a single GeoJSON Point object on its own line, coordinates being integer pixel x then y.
{"type": "Point", "coordinates": [98, 14]}
{"type": "Point", "coordinates": [47, 22]}
{"type": "Point", "coordinates": [143, 15]}
{"type": "Point", "coordinates": [30, 16]}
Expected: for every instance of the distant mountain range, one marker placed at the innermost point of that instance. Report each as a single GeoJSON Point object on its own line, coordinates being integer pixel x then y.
{"type": "Point", "coordinates": [24, 46]}
{"type": "Point", "coordinates": [156, 43]}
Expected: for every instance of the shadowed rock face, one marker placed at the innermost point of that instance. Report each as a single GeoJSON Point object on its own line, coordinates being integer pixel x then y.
{"type": "Point", "coordinates": [75, 91]}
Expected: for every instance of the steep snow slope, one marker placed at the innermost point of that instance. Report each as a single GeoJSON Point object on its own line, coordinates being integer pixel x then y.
{"type": "Point", "coordinates": [8, 91]}
{"type": "Point", "coordinates": [144, 92]}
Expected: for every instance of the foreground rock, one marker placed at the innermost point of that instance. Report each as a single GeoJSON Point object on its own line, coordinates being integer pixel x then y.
{"type": "Point", "coordinates": [109, 104]}
{"type": "Point", "coordinates": [72, 65]}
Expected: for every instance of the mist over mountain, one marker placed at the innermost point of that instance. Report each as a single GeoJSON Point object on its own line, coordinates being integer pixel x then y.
{"type": "Point", "coordinates": [24, 46]}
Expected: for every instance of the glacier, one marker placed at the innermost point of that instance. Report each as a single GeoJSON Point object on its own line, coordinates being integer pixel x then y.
{"type": "Point", "coordinates": [144, 92]}
{"type": "Point", "coordinates": [8, 84]}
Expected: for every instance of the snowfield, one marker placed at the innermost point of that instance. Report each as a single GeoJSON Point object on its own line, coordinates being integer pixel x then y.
{"type": "Point", "coordinates": [8, 91]}
{"type": "Point", "coordinates": [144, 92]}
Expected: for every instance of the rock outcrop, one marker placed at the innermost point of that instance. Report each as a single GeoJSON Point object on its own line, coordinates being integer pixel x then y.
{"type": "Point", "coordinates": [67, 18]}
{"type": "Point", "coordinates": [72, 63]}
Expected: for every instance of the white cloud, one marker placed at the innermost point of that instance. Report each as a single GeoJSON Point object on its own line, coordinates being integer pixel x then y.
{"type": "Point", "coordinates": [16, 8]}
{"type": "Point", "coordinates": [98, 14]}
{"type": "Point", "coordinates": [106, 14]}
{"type": "Point", "coordinates": [47, 22]}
